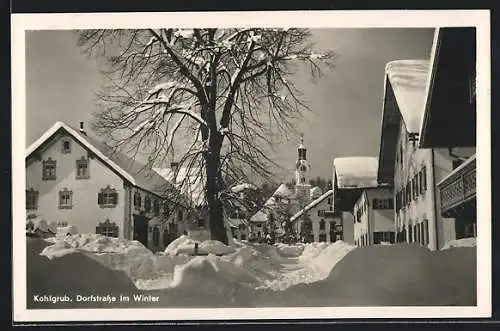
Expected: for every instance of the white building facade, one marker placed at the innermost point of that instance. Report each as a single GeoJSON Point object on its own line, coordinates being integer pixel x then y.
{"type": "Point", "coordinates": [74, 183]}
{"type": "Point", "coordinates": [324, 225]}
{"type": "Point", "coordinates": [374, 217]}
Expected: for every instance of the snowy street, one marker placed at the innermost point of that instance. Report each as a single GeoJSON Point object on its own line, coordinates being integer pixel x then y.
{"type": "Point", "coordinates": [252, 275]}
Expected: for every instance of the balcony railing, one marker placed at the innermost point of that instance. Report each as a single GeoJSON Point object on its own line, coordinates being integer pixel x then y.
{"type": "Point", "coordinates": [459, 186]}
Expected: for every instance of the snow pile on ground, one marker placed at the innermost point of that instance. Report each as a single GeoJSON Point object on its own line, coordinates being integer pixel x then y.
{"type": "Point", "coordinates": [241, 265]}
{"type": "Point", "coordinates": [91, 243]}
{"type": "Point", "coordinates": [65, 230]}
{"type": "Point", "coordinates": [466, 242]}
{"type": "Point", "coordinates": [290, 250]}
{"type": "Point", "coordinates": [315, 264]}
{"type": "Point", "coordinates": [186, 245]}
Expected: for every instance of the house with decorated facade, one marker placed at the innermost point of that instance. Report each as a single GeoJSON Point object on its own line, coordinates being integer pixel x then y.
{"type": "Point", "coordinates": [417, 169]}
{"type": "Point", "coordinates": [448, 125]}
{"type": "Point", "coordinates": [74, 180]}
{"type": "Point", "coordinates": [318, 220]}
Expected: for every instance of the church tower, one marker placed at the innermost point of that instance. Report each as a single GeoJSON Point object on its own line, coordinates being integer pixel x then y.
{"type": "Point", "coordinates": [302, 187]}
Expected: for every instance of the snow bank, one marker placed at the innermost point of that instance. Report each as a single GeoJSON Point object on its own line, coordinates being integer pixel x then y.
{"type": "Point", "coordinates": [317, 261]}
{"type": "Point", "coordinates": [290, 250]}
{"type": "Point", "coordinates": [466, 242]}
{"type": "Point", "coordinates": [186, 245]}
{"type": "Point", "coordinates": [91, 243]}
{"type": "Point", "coordinates": [243, 265]}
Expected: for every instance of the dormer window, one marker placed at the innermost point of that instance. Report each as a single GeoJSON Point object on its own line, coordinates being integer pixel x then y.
{"type": "Point", "coordinates": [82, 168]}
{"type": "Point", "coordinates": [65, 199]}
{"type": "Point", "coordinates": [66, 146]}
{"type": "Point", "coordinates": [49, 169]}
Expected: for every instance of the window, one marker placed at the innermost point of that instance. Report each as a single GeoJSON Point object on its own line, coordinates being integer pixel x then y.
{"type": "Point", "coordinates": [66, 146]}
{"type": "Point", "coordinates": [383, 204]}
{"type": "Point", "coordinates": [408, 193]}
{"type": "Point", "coordinates": [180, 215]}
{"type": "Point", "coordinates": [414, 191]}
{"type": "Point", "coordinates": [410, 234]}
{"type": "Point", "coordinates": [31, 199]}
{"type": "Point", "coordinates": [107, 198]}
{"type": "Point", "coordinates": [156, 207]}
{"type": "Point", "coordinates": [302, 180]}
{"type": "Point", "coordinates": [243, 236]}
{"type": "Point", "coordinates": [329, 201]}
{"type": "Point", "coordinates": [82, 168]}
{"type": "Point", "coordinates": [147, 204]}
{"type": "Point", "coordinates": [65, 199]}
{"type": "Point", "coordinates": [62, 224]}
{"type": "Point", "coordinates": [423, 180]}
{"type": "Point", "coordinates": [322, 225]}
{"type": "Point", "coordinates": [137, 199]}
{"type": "Point", "coordinates": [200, 222]}
{"type": "Point", "coordinates": [156, 236]}
{"type": "Point", "coordinates": [107, 229]}
{"type": "Point", "coordinates": [49, 169]}
{"type": "Point", "coordinates": [322, 237]}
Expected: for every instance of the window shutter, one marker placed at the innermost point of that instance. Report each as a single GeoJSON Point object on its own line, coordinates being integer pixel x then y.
{"type": "Point", "coordinates": [99, 198]}
{"type": "Point", "coordinates": [424, 176]}
{"type": "Point", "coordinates": [115, 198]}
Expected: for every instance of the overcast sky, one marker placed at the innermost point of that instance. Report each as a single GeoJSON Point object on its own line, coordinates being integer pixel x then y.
{"type": "Point", "coordinates": [346, 102]}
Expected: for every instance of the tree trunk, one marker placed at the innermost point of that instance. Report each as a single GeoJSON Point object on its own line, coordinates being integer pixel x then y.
{"type": "Point", "coordinates": [215, 209]}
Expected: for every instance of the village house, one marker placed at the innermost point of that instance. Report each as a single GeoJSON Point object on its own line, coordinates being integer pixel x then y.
{"type": "Point", "coordinates": [374, 217]}
{"type": "Point", "coordinates": [319, 218]}
{"type": "Point", "coordinates": [450, 102]}
{"type": "Point", "coordinates": [412, 168]}
{"type": "Point", "coordinates": [76, 181]}
{"type": "Point", "coordinates": [351, 176]}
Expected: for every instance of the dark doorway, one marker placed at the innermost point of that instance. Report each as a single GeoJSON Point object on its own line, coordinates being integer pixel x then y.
{"type": "Point", "coordinates": [141, 229]}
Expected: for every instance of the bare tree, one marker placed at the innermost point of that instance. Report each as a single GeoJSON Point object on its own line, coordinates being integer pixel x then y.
{"type": "Point", "coordinates": [223, 95]}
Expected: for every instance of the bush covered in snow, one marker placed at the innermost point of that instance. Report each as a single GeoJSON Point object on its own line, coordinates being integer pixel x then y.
{"type": "Point", "coordinates": [466, 242]}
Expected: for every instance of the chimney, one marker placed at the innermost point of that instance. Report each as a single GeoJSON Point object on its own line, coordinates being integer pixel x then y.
{"type": "Point", "coordinates": [82, 131]}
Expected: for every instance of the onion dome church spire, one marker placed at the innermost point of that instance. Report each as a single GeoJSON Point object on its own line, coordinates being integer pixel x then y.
{"type": "Point", "coordinates": [301, 167]}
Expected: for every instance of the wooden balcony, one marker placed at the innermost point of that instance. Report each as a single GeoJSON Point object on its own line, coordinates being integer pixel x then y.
{"type": "Point", "coordinates": [458, 187]}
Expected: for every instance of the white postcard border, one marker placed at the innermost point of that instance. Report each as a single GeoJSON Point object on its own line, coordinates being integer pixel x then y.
{"type": "Point", "coordinates": [310, 19]}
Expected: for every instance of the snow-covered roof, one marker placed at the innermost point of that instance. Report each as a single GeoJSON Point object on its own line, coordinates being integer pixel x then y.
{"type": "Point", "coordinates": [259, 217]}
{"type": "Point", "coordinates": [311, 205]}
{"type": "Point", "coordinates": [283, 191]}
{"type": "Point", "coordinates": [131, 170]}
{"type": "Point", "coordinates": [408, 79]}
{"type": "Point", "coordinates": [241, 187]}
{"type": "Point", "coordinates": [186, 180]}
{"type": "Point", "coordinates": [316, 192]}
{"type": "Point", "coordinates": [356, 171]}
